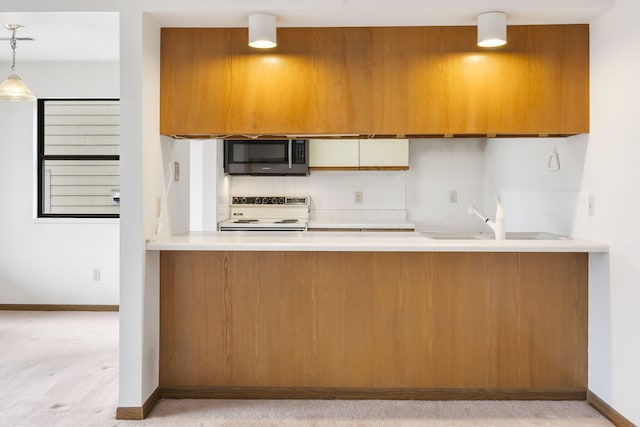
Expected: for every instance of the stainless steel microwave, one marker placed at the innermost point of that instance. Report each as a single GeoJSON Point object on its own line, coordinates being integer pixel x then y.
{"type": "Point", "coordinates": [266, 157]}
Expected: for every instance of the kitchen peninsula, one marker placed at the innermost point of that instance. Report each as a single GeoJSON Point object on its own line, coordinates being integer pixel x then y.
{"type": "Point", "coordinates": [372, 315]}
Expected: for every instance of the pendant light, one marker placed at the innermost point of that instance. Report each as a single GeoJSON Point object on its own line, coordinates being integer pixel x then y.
{"type": "Point", "coordinates": [492, 29]}
{"type": "Point", "coordinates": [262, 31]}
{"type": "Point", "coordinates": [13, 88]}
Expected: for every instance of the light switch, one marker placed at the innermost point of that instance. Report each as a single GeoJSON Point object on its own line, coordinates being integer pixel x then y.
{"type": "Point", "coordinates": [158, 206]}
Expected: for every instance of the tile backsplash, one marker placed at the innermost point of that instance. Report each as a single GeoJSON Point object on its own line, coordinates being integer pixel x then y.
{"type": "Point", "coordinates": [535, 200]}
{"type": "Point", "coordinates": [332, 190]}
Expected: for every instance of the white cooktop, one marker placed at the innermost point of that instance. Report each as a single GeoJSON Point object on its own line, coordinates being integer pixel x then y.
{"type": "Point", "coordinates": [267, 213]}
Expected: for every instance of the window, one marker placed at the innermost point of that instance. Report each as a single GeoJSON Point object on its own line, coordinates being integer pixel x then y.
{"type": "Point", "coordinates": [79, 158]}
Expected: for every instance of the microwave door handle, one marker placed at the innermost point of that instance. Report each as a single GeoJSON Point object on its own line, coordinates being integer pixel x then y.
{"type": "Point", "coordinates": [290, 164]}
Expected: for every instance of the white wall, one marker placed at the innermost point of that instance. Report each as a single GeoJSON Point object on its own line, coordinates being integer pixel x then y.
{"type": "Point", "coordinates": [175, 199]}
{"type": "Point", "coordinates": [146, 174]}
{"type": "Point", "coordinates": [51, 261]}
{"type": "Point", "coordinates": [536, 198]}
{"type": "Point", "coordinates": [612, 174]}
{"type": "Point", "coordinates": [209, 200]}
{"type": "Point", "coordinates": [521, 163]}
{"type": "Point", "coordinates": [438, 166]}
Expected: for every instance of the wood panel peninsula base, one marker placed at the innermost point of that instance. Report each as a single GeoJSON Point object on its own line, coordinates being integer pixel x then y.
{"type": "Point", "coordinates": [390, 325]}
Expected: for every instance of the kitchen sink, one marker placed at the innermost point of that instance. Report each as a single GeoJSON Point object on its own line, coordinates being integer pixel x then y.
{"type": "Point", "coordinates": [481, 235]}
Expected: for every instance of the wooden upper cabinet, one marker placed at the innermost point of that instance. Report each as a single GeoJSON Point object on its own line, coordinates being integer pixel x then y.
{"type": "Point", "coordinates": [370, 81]}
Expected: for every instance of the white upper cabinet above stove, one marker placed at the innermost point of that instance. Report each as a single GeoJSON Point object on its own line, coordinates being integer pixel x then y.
{"type": "Point", "coordinates": [360, 154]}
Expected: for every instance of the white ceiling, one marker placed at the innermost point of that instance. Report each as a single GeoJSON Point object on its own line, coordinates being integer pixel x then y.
{"type": "Point", "coordinates": [78, 36]}
{"type": "Point", "coordinates": [69, 36]}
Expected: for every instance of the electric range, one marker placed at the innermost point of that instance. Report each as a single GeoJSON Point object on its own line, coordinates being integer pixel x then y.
{"type": "Point", "coordinates": [267, 213]}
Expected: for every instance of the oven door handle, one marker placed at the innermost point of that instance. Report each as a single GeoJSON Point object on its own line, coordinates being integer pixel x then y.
{"type": "Point", "coordinates": [290, 161]}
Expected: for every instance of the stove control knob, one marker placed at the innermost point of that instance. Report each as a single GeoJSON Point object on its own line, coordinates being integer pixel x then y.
{"type": "Point", "coordinates": [258, 200]}
{"type": "Point", "coordinates": [243, 201]}
{"type": "Point", "coordinates": [234, 200]}
{"type": "Point", "coordinates": [265, 200]}
{"type": "Point", "coordinates": [273, 200]}
{"type": "Point", "coordinates": [281, 200]}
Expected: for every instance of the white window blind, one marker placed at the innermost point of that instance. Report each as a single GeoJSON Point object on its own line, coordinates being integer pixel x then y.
{"type": "Point", "coordinates": [79, 157]}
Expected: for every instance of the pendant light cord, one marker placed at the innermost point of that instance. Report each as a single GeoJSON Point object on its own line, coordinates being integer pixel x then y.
{"type": "Point", "coordinates": [13, 50]}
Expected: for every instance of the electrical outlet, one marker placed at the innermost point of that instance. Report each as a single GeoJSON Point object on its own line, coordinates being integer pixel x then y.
{"type": "Point", "coordinates": [176, 171]}
{"type": "Point", "coordinates": [592, 205]}
{"type": "Point", "coordinates": [358, 197]}
{"type": "Point", "coordinates": [453, 196]}
{"type": "Point", "coordinates": [96, 274]}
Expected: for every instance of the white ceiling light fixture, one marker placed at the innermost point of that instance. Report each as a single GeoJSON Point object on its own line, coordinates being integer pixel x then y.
{"type": "Point", "coordinates": [492, 29]}
{"type": "Point", "coordinates": [13, 88]}
{"type": "Point", "coordinates": [262, 31]}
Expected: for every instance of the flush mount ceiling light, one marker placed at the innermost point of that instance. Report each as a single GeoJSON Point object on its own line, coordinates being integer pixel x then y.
{"type": "Point", "coordinates": [13, 88]}
{"type": "Point", "coordinates": [492, 29]}
{"type": "Point", "coordinates": [262, 31]}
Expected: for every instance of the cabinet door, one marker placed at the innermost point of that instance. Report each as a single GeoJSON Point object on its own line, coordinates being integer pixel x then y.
{"type": "Point", "coordinates": [422, 81]}
{"type": "Point", "coordinates": [384, 153]}
{"type": "Point", "coordinates": [337, 153]}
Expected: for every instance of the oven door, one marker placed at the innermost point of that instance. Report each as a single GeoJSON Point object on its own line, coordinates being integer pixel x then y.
{"type": "Point", "coordinates": [266, 157]}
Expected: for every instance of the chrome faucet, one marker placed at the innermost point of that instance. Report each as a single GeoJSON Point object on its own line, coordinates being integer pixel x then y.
{"type": "Point", "coordinates": [498, 225]}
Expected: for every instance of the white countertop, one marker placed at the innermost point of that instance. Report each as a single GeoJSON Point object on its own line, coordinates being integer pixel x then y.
{"type": "Point", "coordinates": [390, 219]}
{"type": "Point", "coordinates": [357, 241]}
{"type": "Point", "coordinates": [369, 224]}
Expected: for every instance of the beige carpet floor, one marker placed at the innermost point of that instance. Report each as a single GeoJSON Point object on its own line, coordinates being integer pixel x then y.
{"type": "Point", "coordinates": [59, 369]}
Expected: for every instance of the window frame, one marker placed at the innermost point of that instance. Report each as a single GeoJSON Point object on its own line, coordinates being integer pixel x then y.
{"type": "Point", "coordinates": [42, 157]}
